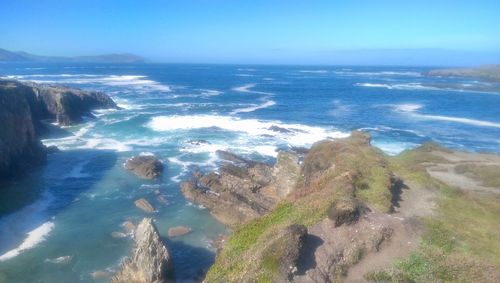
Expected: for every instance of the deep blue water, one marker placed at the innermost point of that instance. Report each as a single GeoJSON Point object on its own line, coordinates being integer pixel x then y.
{"type": "Point", "coordinates": [83, 194]}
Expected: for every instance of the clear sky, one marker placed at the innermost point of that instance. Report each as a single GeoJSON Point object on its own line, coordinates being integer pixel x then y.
{"type": "Point", "coordinates": [259, 31]}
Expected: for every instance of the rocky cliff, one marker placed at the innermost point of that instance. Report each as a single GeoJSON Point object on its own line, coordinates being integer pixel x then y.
{"type": "Point", "coordinates": [349, 213]}
{"type": "Point", "coordinates": [150, 260]}
{"type": "Point", "coordinates": [24, 105]}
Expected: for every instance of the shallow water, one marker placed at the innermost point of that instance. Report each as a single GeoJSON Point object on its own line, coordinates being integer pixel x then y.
{"type": "Point", "coordinates": [183, 114]}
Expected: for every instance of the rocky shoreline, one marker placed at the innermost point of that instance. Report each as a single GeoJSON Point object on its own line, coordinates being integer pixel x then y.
{"type": "Point", "coordinates": [24, 106]}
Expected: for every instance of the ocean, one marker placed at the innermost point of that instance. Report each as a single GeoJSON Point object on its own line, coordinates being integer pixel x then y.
{"type": "Point", "coordinates": [56, 224]}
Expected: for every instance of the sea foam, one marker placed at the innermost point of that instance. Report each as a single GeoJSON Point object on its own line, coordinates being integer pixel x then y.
{"type": "Point", "coordinates": [34, 238]}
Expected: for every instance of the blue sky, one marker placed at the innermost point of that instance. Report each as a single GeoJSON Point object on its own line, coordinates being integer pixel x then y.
{"type": "Point", "coordinates": [259, 31]}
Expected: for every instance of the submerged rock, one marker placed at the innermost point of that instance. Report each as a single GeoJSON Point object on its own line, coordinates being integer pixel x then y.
{"type": "Point", "coordinates": [144, 205]}
{"type": "Point", "coordinates": [178, 231]}
{"type": "Point", "coordinates": [150, 260]}
{"type": "Point", "coordinates": [100, 274]}
{"type": "Point", "coordinates": [145, 166]}
{"type": "Point", "coordinates": [128, 226]}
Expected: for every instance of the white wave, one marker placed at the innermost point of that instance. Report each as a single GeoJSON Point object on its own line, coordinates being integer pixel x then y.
{"type": "Point", "coordinates": [268, 79]}
{"type": "Point", "coordinates": [295, 134]}
{"type": "Point", "coordinates": [34, 237]}
{"type": "Point", "coordinates": [60, 260]}
{"type": "Point", "coordinates": [210, 92]}
{"type": "Point", "coordinates": [412, 108]}
{"type": "Point", "coordinates": [245, 75]}
{"type": "Point", "coordinates": [314, 71]}
{"type": "Point", "coordinates": [248, 89]}
{"type": "Point", "coordinates": [384, 73]}
{"type": "Point", "coordinates": [254, 107]}
{"type": "Point", "coordinates": [106, 143]}
{"type": "Point", "coordinates": [407, 107]}
{"type": "Point", "coordinates": [246, 69]}
{"type": "Point", "coordinates": [461, 120]}
{"type": "Point", "coordinates": [137, 82]}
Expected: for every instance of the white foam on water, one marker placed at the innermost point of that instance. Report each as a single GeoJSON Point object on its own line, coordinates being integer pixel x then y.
{"type": "Point", "coordinates": [248, 89]}
{"type": "Point", "coordinates": [295, 134]}
{"type": "Point", "coordinates": [411, 109]}
{"type": "Point", "coordinates": [347, 72]}
{"type": "Point", "coordinates": [137, 82]}
{"type": "Point", "coordinates": [210, 92]}
{"type": "Point", "coordinates": [245, 75]}
{"type": "Point", "coordinates": [254, 107]}
{"type": "Point", "coordinates": [467, 121]}
{"type": "Point", "coordinates": [314, 71]}
{"type": "Point", "coordinates": [33, 238]}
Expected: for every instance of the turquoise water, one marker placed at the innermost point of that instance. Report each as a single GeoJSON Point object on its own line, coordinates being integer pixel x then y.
{"type": "Point", "coordinates": [183, 114]}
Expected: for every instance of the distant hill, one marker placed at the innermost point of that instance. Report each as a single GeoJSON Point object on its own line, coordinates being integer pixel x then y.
{"type": "Point", "coordinates": [20, 56]}
{"type": "Point", "coordinates": [488, 72]}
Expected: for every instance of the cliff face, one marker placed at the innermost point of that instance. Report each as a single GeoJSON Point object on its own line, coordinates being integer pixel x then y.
{"type": "Point", "coordinates": [24, 105]}
{"type": "Point", "coordinates": [19, 144]}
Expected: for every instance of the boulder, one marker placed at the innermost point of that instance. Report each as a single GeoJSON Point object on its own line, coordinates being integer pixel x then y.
{"type": "Point", "coordinates": [286, 173]}
{"type": "Point", "coordinates": [179, 231]}
{"type": "Point", "coordinates": [144, 205]}
{"type": "Point", "coordinates": [150, 260]}
{"type": "Point", "coordinates": [145, 166]}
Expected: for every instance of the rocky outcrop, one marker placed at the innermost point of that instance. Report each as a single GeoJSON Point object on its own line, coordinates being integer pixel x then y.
{"type": "Point", "coordinates": [19, 143]}
{"type": "Point", "coordinates": [150, 260]}
{"type": "Point", "coordinates": [243, 190]}
{"type": "Point", "coordinates": [24, 105]}
{"type": "Point", "coordinates": [145, 166]}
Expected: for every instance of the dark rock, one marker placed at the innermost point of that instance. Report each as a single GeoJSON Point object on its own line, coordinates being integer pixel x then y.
{"type": "Point", "coordinates": [150, 260]}
{"type": "Point", "coordinates": [198, 142]}
{"type": "Point", "coordinates": [20, 147]}
{"type": "Point", "coordinates": [344, 211]}
{"type": "Point", "coordinates": [275, 128]}
{"type": "Point", "coordinates": [23, 106]}
{"type": "Point", "coordinates": [145, 166]}
{"type": "Point", "coordinates": [229, 156]}
{"type": "Point", "coordinates": [243, 190]}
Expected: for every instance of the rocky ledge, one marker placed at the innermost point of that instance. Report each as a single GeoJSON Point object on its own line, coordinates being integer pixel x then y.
{"type": "Point", "coordinates": [150, 260]}
{"type": "Point", "coordinates": [23, 107]}
{"type": "Point", "coordinates": [347, 212]}
{"type": "Point", "coordinates": [242, 190]}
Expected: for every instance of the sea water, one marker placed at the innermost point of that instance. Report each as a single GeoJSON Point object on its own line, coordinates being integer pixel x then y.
{"type": "Point", "coordinates": [56, 223]}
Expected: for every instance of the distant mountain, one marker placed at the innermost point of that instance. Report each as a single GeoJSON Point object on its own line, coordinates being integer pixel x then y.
{"type": "Point", "coordinates": [488, 72]}
{"type": "Point", "coordinates": [20, 56]}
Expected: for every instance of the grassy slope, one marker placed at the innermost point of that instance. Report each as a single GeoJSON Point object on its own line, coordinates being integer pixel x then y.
{"type": "Point", "coordinates": [240, 259]}
{"type": "Point", "coordinates": [461, 243]}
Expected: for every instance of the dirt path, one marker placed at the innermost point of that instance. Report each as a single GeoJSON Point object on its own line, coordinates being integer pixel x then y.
{"type": "Point", "coordinates": [416, 202]}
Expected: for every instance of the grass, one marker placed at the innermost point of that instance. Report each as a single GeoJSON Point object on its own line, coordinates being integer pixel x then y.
{"type": "Point", "coordinates": [309, 204]}
{"type": "Point", "coordinates": [460, 244]}
{"type": "Point", "coordinates": [488, 175]}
